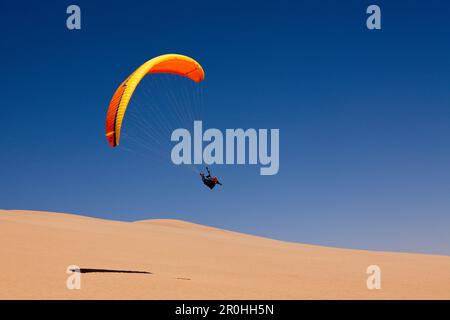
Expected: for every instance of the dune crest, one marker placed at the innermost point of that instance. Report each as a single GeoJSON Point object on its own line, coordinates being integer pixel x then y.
{"type": "Point", "coordinates": [172, 259]}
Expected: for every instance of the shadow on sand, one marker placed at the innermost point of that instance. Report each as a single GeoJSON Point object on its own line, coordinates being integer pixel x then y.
{"type": "Point", "coordinates": [90, 270]}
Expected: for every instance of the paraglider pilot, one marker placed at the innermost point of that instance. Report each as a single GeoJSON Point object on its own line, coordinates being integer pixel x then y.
{"type": "Point", "coordinates": [208, 180]}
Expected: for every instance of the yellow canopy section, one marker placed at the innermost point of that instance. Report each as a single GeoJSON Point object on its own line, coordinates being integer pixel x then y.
{"type": "Point", "coordinates": [168, 63]}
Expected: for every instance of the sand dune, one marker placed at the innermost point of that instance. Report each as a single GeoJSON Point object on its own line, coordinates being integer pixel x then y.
{"type": "Point", "coordinates": [188, 261]}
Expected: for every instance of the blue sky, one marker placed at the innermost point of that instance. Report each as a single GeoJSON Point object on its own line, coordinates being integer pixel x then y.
{"type": "Point", "coordinates": [364, 116]}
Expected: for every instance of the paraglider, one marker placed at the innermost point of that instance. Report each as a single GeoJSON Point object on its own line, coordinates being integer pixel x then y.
{"type": "Point", "coordinates": [172, 64]}
{"type": "Point", "coordinates": [208, 180]}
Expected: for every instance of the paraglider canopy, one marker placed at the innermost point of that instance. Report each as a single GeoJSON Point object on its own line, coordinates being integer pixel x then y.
{"type": "Point", "coordinates": [168, 63]}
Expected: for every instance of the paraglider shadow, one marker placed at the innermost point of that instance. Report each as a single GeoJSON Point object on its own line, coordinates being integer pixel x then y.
{"type": "Point", "coordinates": [91, 270]}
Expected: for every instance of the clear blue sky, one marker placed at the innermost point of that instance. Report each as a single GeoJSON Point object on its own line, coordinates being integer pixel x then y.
{"type": "Point", "coordinates": [364, 116]}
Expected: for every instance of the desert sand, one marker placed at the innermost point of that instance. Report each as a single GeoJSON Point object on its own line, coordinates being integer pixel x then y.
{"type": "Point", "coordinates": [189, 261]}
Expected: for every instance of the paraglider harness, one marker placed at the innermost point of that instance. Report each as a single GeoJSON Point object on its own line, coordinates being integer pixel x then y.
{"type": "Point", "coordinates": [208, 180]}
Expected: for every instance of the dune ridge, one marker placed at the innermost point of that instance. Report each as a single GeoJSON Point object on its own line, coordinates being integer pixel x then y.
{"type": "Point", "coordinates": [172, 259]}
